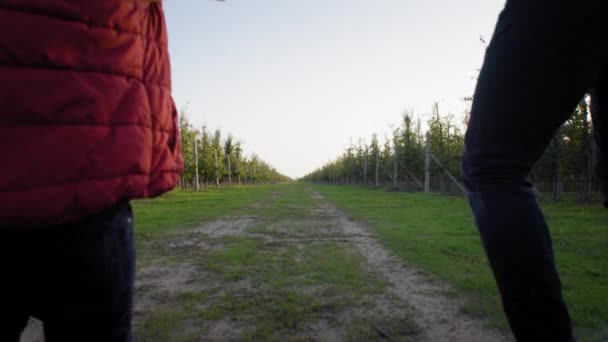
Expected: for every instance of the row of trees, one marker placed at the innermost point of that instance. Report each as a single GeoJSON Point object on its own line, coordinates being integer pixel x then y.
{"type": "Point", "coordinates": [403, 151]}
{"type": "Point", "coordinates": [401, 156]}
{"type": "Point", "coordinates": [219, 160]}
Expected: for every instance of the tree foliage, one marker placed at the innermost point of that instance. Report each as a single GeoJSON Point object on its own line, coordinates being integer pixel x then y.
{"type": "Point", "coordinates": [567, 156]}
{"type": "Point", "coordinates": [215, 154]}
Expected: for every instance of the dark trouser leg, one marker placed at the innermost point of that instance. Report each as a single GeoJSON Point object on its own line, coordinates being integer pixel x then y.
{"type": "Point", "coordinates": [13, 291]}
{"type": "Point", "coordinates": [77, 278]}
{"type": "Point", "coordinates": [90, 288]}
{"type": "Point", "coordinates": [518, 246]}
{"type": "Point", "coordinates": [533, 76]}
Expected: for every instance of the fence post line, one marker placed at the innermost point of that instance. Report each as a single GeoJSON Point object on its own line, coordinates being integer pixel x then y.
{"type": "Point", "coordinates": [452, 178]}
{"type": "Point", "coordinates": [427, 163]}
{"type": "Point", "coordinates": [229, 170]}
{"type": "Point", "coordinates": [419, 183]}
{"type": "Point", "coordinates": [395, 167]}
{"type": "Point", "coordinates": [377, 167]}
{"type": "Point", "coordinates": [217, 179]}
{"type": "Point", "coordinates": [238, 169]}
{"type": "Point", "coordinates": [365, 170]}
{"type": "Point", "coordinates": [196, 163]}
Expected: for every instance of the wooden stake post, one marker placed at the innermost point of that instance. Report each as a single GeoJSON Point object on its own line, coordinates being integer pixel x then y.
{"type": "Point", "coordinates": [365, 170]}
{"type": "Point", "coordinates": [427, 164]}
{"type": "Point", "coordinates": [196, 163]}
{"type": "Point", "coordinates": [377, 168]}
{"type": "Point", "coordinates": [217, 179]}
{"type": "Point", "coordinates": [229, 171]}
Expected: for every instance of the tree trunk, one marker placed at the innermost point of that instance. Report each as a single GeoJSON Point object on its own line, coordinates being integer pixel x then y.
{"type": "Point", "coordinates": [196, 186]}
{"type": "Point", "coordinates": [229, 172]}
{"type": "Point", "coordinates": [395, 167]}
{"type": "Point", "coordinates": [217, 178]}
{"type": "Point", "coordinates": [377, 168]}
{"type": "Point", "coordinates": [238, 175]}
{"type": "Point", "coordinates": [427, 164]}
{"type": "Point", "coordinates": [365, 170]}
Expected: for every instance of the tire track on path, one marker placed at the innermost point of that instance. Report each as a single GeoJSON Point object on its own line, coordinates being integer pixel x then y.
{"type": "Point", "coordinates": [437, 316]}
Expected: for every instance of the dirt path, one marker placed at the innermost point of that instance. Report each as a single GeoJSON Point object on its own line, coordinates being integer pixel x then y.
{"type": "Point", "coordinates": [437, 317]}
{"type": "Point", "coordinates": [289, 267]}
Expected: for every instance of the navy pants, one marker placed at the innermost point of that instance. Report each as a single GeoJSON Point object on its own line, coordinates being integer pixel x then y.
{"type": "Point", "coordinates": [76, 278]}
{"type": "Point", "coordinates": [542, 59]}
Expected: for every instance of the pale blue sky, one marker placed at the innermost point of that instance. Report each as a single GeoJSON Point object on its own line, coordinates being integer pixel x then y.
{"type": "Point", "coordinates": [295, 80]}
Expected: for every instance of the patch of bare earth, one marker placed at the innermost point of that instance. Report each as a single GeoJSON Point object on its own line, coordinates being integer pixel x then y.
{"type": "Point", "coordinates": [161, 282]}
{"type": "Point", "coordinates": [437, 317]}
{"type": "Point", "coordinates": [228, 226]}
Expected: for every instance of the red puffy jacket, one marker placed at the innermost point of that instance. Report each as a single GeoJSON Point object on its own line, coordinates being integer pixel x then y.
{"type": "Point", "coordinates": [86, 114]}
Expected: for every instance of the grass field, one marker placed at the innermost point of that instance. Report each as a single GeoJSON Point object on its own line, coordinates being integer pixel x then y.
{"type": "Point", "coordinates": [264, 263]}
{"type": "Point", "coordinates": [437, 235]}
{"type": "Point", "coordinates": [178, 211]}
{"type": "Point", "coordinates": [269, 268]}
{"type": "Point", "coordinates": [184, 209]}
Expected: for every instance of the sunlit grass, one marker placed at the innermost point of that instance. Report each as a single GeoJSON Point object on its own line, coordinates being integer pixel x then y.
{"type": "Point", "coordinates": [437, 235]}
{"type": "Point", "coordinates": [185, 209]}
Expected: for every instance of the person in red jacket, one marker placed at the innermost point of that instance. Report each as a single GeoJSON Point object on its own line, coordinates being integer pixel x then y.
{"type": "Point", "coordinates": [87, 123]}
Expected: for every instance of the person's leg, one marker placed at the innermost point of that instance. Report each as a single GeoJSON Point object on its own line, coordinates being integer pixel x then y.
{"type": "Point", "coordinates": [540, 62]}
{"type": "Point", "coordinates": [13, 284]}
{"type": "Point", "coordinates": [88, 291]}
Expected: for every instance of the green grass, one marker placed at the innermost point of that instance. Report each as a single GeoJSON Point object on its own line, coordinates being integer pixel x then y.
{"type": "Point", "coordinates": [185, 209]}
{"type": "Point", "coordinates": [179, 211]}
{"type": "Point", "coordinates": [286, 265]}
{"type": "Point", "coordinates": [277, 275]}
{"type": "Point", "coordinates": [273, 282]}
{"type": "Point", "coordinates": [293, 284]}
{"type": "Point", "coordinates": [160, 326]}
{"type": "Point", "coordinates": [437, 235]}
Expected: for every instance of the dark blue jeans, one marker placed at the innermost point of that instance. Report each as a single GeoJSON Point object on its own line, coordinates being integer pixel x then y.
{"type": "Point", "coordinates": [543, 58]}
{"type": "Point", "coordinates": [76, 278]}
